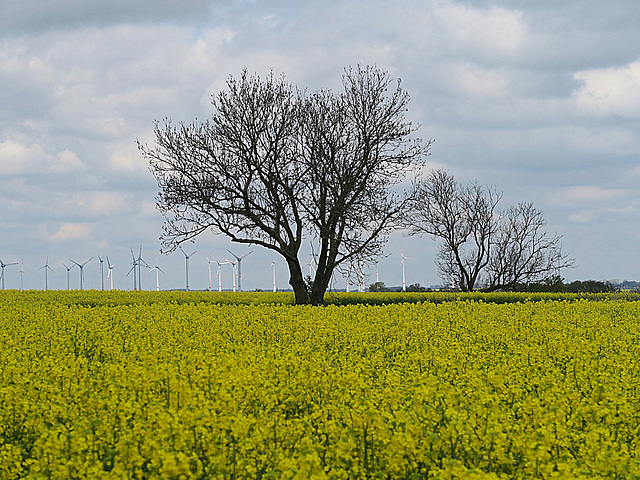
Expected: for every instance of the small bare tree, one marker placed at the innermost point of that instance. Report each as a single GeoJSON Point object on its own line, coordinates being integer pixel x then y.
{"type": "Point", "coordinates": [274, 166]}
{"type": "Point", "coordinates": [523, 251]}
{"type": "Point", "coordinates": [462, 216]}
{"type": "Point", "coordinates": [482, 248]}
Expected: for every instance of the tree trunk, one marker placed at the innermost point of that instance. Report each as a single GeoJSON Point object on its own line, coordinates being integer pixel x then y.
{"type": "Point", "coordinates": [320, 285]}
{"type": "Point", "coordinates": [296, 280]}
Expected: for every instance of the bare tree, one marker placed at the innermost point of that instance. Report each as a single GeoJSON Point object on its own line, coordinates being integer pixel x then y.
{"type": "Point", "coordinates": [482, 248]}
{"type": "Point", "coordinates": [523, 252]}
{"type": "Point", "coordinates": [274, 167]}
{"type": "Point", "coordinates": [463, 217]}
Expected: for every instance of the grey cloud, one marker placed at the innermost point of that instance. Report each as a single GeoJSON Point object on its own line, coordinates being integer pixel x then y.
{"type": "Point", "coordinates": [494, 82]}
{"type": "Point", "coordinates": [32, 16]}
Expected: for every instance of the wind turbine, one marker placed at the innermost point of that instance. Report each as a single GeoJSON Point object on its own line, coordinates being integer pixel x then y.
{"type": "Point", "coordinates": [239, 260]}
{"type": "Point", "coordinates": [68, 278]}
{"type": "Point", "coordinates": [133, 269]}
{"type": "Point", "coordinates": [141, 263]}
{"type": "Point", "coordinates": [219, 272]}
{"type": "Point", "coordinates": [22, 274]}
{"type": "Point", "coordinates": [186, 266]}
{"type": "Point", "coordinates": [377, 261]}
{"type": "Point", "coordinates": [3, 265]}
{"type": "Point", "coordinates": [110, 274]}
{"type": "Point", "coordinates": [273, 269]}
{"type": "Point", "coordinates": [404, 283]}
{"type": "Point", "coordinates": [46, 268]}
{"type": "Point", "coordinates": [81, 267]}
{"type": "Point", "coordinates": [158, 270]}
{"type": "Point", "coordinates": [311, 264]}
{"type": "Point", "coordinates": [234, 268]}
{"type": "Point", "coordinates": [209, 269]}
{"type": "Point", "coordinates": [218, 276]}
{"type": "Point", "coordinates": [361, 275]}
{"type": "Point", "coordinates": [101, 272]}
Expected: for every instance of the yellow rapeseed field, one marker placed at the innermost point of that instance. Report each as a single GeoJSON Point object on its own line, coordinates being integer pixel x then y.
{"type": "Point", "coordinates": [125, 386]}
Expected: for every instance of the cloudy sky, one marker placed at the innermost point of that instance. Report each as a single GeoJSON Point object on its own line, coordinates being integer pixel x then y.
{"type": "Point", "coordinates": [538, 97]}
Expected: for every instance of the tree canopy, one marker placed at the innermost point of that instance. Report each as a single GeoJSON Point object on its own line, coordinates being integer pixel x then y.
{"type": "Point", "coordinates": [482, 247]}
{"type": "Point", "coordinates": [276, 167]}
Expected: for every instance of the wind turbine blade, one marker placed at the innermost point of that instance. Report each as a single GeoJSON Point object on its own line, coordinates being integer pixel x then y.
{"type": "Point", "coordinates": [238, 258]}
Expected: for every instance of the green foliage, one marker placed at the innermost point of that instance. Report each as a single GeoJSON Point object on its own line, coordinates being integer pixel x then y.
{"type": "Point", "coordinates": [549, 284]}
{"type": "Point", "coordinates": [96, 298]}
{"type": "Point", "coordinates": [416, 287]}
{"type": "Point", "coordinates": [378, 287]}
{"type": "Point", "coordinates": [589, 286]}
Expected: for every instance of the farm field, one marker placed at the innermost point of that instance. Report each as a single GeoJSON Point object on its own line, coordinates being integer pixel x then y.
{"type": "Point", "coordinates": [194, 385]}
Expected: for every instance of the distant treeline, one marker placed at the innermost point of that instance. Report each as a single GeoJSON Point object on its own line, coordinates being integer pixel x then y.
{"type": "Point", "coordinates": [554, 284]}
{"type": "Point", "coordinates": [11, 299]}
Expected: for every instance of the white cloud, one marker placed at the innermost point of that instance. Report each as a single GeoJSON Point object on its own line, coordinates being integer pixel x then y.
{"type": "Point", "coordinates": [148, 209]}
{"type": "Point", "coordinates": [19, 158]}
{"type": "Point", "coordinates": [102, 203]}
{"type": "Point", "coordinates": [66, 161]}
{"type": "Point", "coordinates": [475, 81]}
{"type": "Point", "coordinates": [588, 193]}
{"type": "Point", "coordinates": [126, 158]}
{"type": "Point", "coordinates": [610, 91]}
{"type": "Point", "coordinates": [582, 217]}
{"type": "Point", "coordinates": [72, 231]}
{"type": "Point", "coordinates": [489, 34]}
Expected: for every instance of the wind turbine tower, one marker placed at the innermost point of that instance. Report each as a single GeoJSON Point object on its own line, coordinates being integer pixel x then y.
{"type": "Point", "coordinates": [101, 272]}
{"type": "Point", "coordinates": [158, 270]}
{"type": "Point", "coordinates": [81, 267]}
{"type": "Point", "coordinates": [68, 276]}
{"type": "Point", "coordinates": [209, 269]}
{"type": "Point", "coordinates": [219, 272]}
{"type": "Point", "coordinates": [239, 260]}
{"type": "Point", "coordinates": [109, 274]}
{"type": "Point", "coordinates": [404, 282]}
{"type": "Point", "coordinates": [3, 265]}
{"type": "Point", "coordinates": [140, 263]}
{"type": "Point", "coordinates": [273, 269]}
{"type": "Point", "coordinates": [234, 274]}
{"type": "Point", "coordinates": [134, 262]}
{"type": "Point", "coordinates": [46, 269]}
{"type": "Point", "coordinates": [186, 266]}
{"type": "Point", "coordinates": [361, 275]}
{"type": "Point", "coordinates": [134, 265]}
